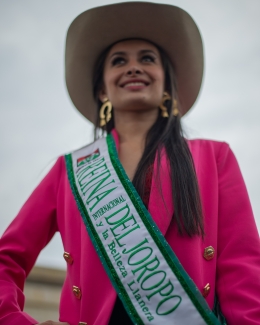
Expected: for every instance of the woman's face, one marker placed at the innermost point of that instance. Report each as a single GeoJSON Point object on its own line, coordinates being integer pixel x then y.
{"type": "Point", "coordinates": [133, 76]}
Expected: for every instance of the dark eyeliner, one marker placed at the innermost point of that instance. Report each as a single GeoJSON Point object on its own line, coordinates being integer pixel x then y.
{"type": "Point", "coordinates": [117, 60]}
{"type": "Point", "coordinates": [150, 57]}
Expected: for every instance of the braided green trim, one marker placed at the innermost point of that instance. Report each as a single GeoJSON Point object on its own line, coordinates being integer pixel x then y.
{"type": "Point", "coordinates": [172, 260]}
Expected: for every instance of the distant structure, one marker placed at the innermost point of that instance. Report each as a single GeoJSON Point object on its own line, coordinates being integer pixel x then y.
{"type": "Point", "coordinates": [42, 291]}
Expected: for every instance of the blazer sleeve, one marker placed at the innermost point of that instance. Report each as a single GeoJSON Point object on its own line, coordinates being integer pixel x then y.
{"type": "Point", "coordinates": [21, 243]}
{"type": "Point", "coordinates": [238, 263]}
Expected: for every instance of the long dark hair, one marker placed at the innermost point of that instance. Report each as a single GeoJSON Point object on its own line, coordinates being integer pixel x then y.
{"type": "Point", "coordinates": [165, 133]}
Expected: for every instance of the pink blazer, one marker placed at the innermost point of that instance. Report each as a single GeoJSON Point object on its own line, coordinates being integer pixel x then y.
{"type": "Point", "coordinates": [233, 273]}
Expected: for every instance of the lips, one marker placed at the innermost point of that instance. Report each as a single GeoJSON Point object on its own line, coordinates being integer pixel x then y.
{"type": "Point", "coordinates": [134, 83]}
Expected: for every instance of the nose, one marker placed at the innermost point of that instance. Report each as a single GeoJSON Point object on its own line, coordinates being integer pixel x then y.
{"type": "Point", "coordinates": [134, 70]}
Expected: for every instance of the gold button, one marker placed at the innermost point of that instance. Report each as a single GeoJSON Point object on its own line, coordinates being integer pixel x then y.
{"type": "Point", "coordinates": [77, 292]}
{"type": "Point", "coordinates": [82, 323]}
{"type": "Point", "coordinates": [209, 253]}
{"type": "Point", "coordinates": [68, 258]}
{"type": "Point", "coordinates": [206, 290]}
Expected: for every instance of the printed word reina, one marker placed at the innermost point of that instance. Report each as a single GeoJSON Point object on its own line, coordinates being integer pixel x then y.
{"type": "Point", "coordinates": [95, 182]}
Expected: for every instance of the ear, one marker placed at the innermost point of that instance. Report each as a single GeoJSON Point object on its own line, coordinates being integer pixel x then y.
{"type": "Point", "coordinates": [102, 94]}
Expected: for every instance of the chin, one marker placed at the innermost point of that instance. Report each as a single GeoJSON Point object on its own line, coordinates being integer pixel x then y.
{"type": "Point", "coordinates": [139, 103]}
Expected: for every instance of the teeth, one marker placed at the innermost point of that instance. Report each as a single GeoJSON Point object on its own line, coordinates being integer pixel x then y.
{"type": "Point", "coordinates": [135, 84]}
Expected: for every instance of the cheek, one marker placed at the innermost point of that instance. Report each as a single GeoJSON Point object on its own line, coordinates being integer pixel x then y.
{"type": "Point", "coordinates": [110, 82]}
{"type": "Point", "coordinates": [158, 75]}
{"type": "Point", "coordinates": [160, 83]}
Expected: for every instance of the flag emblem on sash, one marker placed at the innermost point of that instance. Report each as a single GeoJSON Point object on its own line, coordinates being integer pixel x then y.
{"type": "Point", "coordinates": [83, 160]}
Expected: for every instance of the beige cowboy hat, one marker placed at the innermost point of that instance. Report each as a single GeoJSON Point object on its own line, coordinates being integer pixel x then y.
{"type": "Point", "coordinates": [168, 26]}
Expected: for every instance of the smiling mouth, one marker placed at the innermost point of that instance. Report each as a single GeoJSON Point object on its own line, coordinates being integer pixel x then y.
{"type": "Point", "coordinates": [135, 84]}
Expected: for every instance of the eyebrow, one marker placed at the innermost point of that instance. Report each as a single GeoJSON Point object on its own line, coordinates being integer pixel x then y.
{"type": "Point", "coordinates": [124, 53]}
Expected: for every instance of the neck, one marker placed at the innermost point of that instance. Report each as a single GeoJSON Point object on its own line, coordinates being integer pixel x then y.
{"type": "Point", "coordinates": [132, 127]}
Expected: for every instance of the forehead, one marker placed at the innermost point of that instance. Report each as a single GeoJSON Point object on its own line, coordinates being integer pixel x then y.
{"type": "Point", "coordinates": [133, 45]}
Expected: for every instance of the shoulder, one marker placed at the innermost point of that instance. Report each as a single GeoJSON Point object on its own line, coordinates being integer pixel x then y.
{"type": "Point", "coordinates": [209, 148]}
{"type": "Point", "coordinates": [90, 148]}
{"type": "Point", "coordinates": [213, 155]}
{"type": "Point", "coordinates": [52, 179]}
{"type": "Point", "coordinates": [208, 145]}
{"type": "Point", "coordinates": [59, 167]}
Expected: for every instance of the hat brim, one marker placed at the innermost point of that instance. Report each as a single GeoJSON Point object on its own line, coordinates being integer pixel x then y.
{"type": "Point", "coordinates": [168, 26]}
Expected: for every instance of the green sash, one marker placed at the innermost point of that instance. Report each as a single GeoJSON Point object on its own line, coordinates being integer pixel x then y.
{"type": "Point", "coordinates": [145, 272]}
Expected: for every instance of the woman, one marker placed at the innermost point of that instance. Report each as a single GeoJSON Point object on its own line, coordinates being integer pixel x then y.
{"type": "Point", "coordinates": [190, 192]}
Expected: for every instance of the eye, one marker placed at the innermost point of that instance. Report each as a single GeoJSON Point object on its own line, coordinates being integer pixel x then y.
{"type": "Point", "coordinates": [148, 58]}
{"type": "Point", "coordinates": [118, 60]}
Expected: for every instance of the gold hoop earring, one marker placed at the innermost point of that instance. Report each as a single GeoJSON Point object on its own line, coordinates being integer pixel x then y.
{"type": "Point", "coordinates": [175, 111]}
{"type": "Point", "coordinates": [166, 97]}
{"type": "Point", "coordinates": [105, 112]}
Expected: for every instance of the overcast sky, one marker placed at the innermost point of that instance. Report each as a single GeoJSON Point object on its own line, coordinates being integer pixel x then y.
{"type": "Point", "coordinates": [38, 122]}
